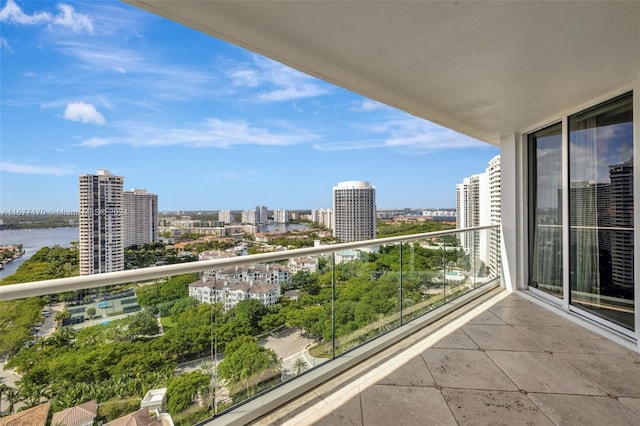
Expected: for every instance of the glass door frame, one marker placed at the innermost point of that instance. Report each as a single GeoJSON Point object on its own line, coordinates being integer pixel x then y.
{"type": "Point", "coordinates": [565, 301]}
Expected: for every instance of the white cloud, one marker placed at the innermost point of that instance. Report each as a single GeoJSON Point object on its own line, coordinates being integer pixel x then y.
{"type": "Point", "coordinates": [86, 113]}
{"type": "Point", "coordinates": [94, 142]}
{"type": "Point", "coordinates": [67, 17]}
{"type": "Point", "coordinates": [9, 167]}
{"type": "Point", "coordinates": [276, 82]}
{"type": "Point", "coordinates": [366, 106]}
{"type": "Point", "coordinates": [413, 135]}
{"type": "Point", "coordinates": [4, 44]}
{"type": "Point", "coordinates": [211, 133]}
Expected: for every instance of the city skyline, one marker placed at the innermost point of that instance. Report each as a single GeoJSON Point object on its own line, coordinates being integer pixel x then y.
{"type": "Point", "coordinates": [206, 124]}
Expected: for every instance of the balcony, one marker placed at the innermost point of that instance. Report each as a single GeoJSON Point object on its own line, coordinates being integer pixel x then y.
{"type": "Point", "coordinates": [369, 295]}
{"type": "Point", "coordinates": [452, 345]}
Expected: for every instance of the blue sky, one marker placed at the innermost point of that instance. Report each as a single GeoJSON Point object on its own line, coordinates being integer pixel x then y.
{"type": "Point", "coordinates": [202, 123]}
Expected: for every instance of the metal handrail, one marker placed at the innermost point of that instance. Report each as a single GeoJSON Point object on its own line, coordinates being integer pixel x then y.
{"type": "Point", "coordinates": [59, 285]}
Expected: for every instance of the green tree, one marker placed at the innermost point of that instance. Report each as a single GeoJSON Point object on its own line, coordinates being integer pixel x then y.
{"type": "Point", "coordinates": [244, 357]}
{"type": "Point", "coordinates": [182, 390]}
{"type": "Point", "coordinates": [300, 365]}
{"type": "Point", "coordinates": [142, 323]}
{"type": "Point", "coordinates": [91, 312]}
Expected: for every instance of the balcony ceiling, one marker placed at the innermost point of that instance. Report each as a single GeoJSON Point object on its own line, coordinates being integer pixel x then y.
{"type": "Point", "coordinates": [486, 69]}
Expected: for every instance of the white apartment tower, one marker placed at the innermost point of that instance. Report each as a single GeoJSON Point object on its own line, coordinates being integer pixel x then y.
{"type": "Point", "coordinates": [140, 217]}
{"type": "Point", "coordinates": [354, 207]}
{"type": "Point", "coordinates": [262, 213]}
{"type": "Point", "coordinates": [281, 216]}
{"type": "Point", "coordinates": [101, 223]}
{"type": "Point", "coordinates": [323, 217]}
{"type": "Point", "coordinates": [478, 204]}
{"type": "Point", "coordinates": [250, 217]}
{"type": "Point", "coordinates": [225, 216]}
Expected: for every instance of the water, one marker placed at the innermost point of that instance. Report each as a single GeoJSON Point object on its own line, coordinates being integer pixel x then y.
{"type": "Point", "coordinates": [282, 227]}
{"type": "Point", "coordinates": [33, 240]}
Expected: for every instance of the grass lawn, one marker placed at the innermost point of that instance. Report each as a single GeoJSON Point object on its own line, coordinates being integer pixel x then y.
{"type": "Point", "coordinates": [167, 323]}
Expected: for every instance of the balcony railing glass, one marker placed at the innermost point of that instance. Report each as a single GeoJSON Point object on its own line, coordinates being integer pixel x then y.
{"type": "Point", "coordinates": [216, 333]}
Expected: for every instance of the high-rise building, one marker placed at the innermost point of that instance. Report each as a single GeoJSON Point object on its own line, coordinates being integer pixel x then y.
{"type": "Point", "coordinates": [262, 215]}
{"type": "Point", "coordinates": [225, 216]}
{"type": "Point", "coordinates": [101, 230]}
{"type": "Point", "coordinates": [281, 216]}
{"type": "Point", "coordinates": [140, 217]}
{"type": "Point", "coordinates": [323, 217]}
{"type": "Point", "coordinates": [478, 204]}
{"type": "Point", "coordinates": [250, 217]}
{"type": "Point", "coordinates": [354, 207]}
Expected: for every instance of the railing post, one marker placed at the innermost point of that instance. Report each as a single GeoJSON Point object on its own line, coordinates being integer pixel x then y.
{"type": "Point", "coordinates": [444, 270]}
{"type": "Point", "coordinates": [401, 299]}
{"type": "Point", "coordinates": [333, 306]}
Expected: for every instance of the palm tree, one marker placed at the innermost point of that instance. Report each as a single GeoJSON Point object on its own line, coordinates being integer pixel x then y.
{"type": "Point", "coordinates": [3, 389]}
{"type": "Point", "coordinates": [13, 397]}
{"type": "Point", "coordinates": [300, 365]}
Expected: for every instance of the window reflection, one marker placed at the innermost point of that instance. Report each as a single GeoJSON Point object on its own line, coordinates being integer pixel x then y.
{"type": "Point", "coordinates": [601, 210]}
{"type": "Point", "coordinates": [545, 220]}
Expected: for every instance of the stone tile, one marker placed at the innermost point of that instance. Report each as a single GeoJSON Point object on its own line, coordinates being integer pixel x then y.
{"type": "Point", "coordinates": [465, 369]}
{"type": "Point", "coordinates": [514, 301]}
{"type": "Point", "coordinates": [570, 339]}
{"type": "Point", "coordinates": [487, 317]}
{"type": "Point", "coordinates": [412, 373]}
{"type": "Point", "coordinates": [500, 337]}
{"type": "Point", "coordinates": [572, 410]}
{"type": "Point", "coordinates": [618, 375]}
{"type": "Point", "coordinates": [477, 407]}
{"type": "Point", "coordinates": [531, 315]}
{"type": "Point", "coordinates": [404, 405]}
{"type": "Point", "coordinates": [632, 403]}
{"type": "Point", "coordinates": [456, 340]}
{"type": "Point", "coordinates": [542, 372]}
{"type": "Point", "coordinates": [348, 414]}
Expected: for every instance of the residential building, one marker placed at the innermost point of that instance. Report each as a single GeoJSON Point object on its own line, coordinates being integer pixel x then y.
{"type": "Point", "coordinates": [478, 204]}
{"type": "Point", "coordinates": [306, 264]}
{"type": "Point", "coordinates": [354, 206]}
{"type": "Point", "coordinates": [269, 273]}
{"type": "Point", "coordinates": [101, 236]}
{"type": "Point", "coordinates": [80, 415]}
{"type": "Point", "coordinates": [214, 290]}
{"type": "Point", "coordinates": [140, 218]}
{"type": "Point", "coordinates": [323, 217]}
{"type": "Point", "coordinates": [251, 217]}
{"type": "Point", "coordinates": [226, 216]}
{"type": "Point", "coordinates": [262, 215]}
{"type": "Point", "coordinates": [34, 416]}
{"type": "Point", "coordinates": [142, 417]}
{"type": "Point", "coordinates": [281, 216]}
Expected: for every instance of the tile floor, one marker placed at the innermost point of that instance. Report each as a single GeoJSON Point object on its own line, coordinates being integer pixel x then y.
{"type": "Point", "coordinates": [507, 361]}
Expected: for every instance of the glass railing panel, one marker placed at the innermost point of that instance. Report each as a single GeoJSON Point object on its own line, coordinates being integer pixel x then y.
{"type": "Point", "coordinates": [422, 277]}
{"type": "Point", "coordinates": [367, 297]}
{"type": "Point", "coordinates": [218, 335]}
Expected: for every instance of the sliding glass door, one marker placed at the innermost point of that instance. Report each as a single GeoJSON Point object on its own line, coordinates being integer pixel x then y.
{"type": "Point", "coordinates": [601, 210]}
{"type": "Point", "coordinates": [545, 204]}
{"type": "Point", "coordinates": [598, 245]}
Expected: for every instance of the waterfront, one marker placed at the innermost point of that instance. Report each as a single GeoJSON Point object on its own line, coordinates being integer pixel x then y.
{"type": "Point", "coordinates": [33, 240]}
{"type": "Point", "coordinates": [282, 227]}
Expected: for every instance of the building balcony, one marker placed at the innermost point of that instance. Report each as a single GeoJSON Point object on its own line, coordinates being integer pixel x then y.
{"type": "Point", "coordinates": [443, 341]}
